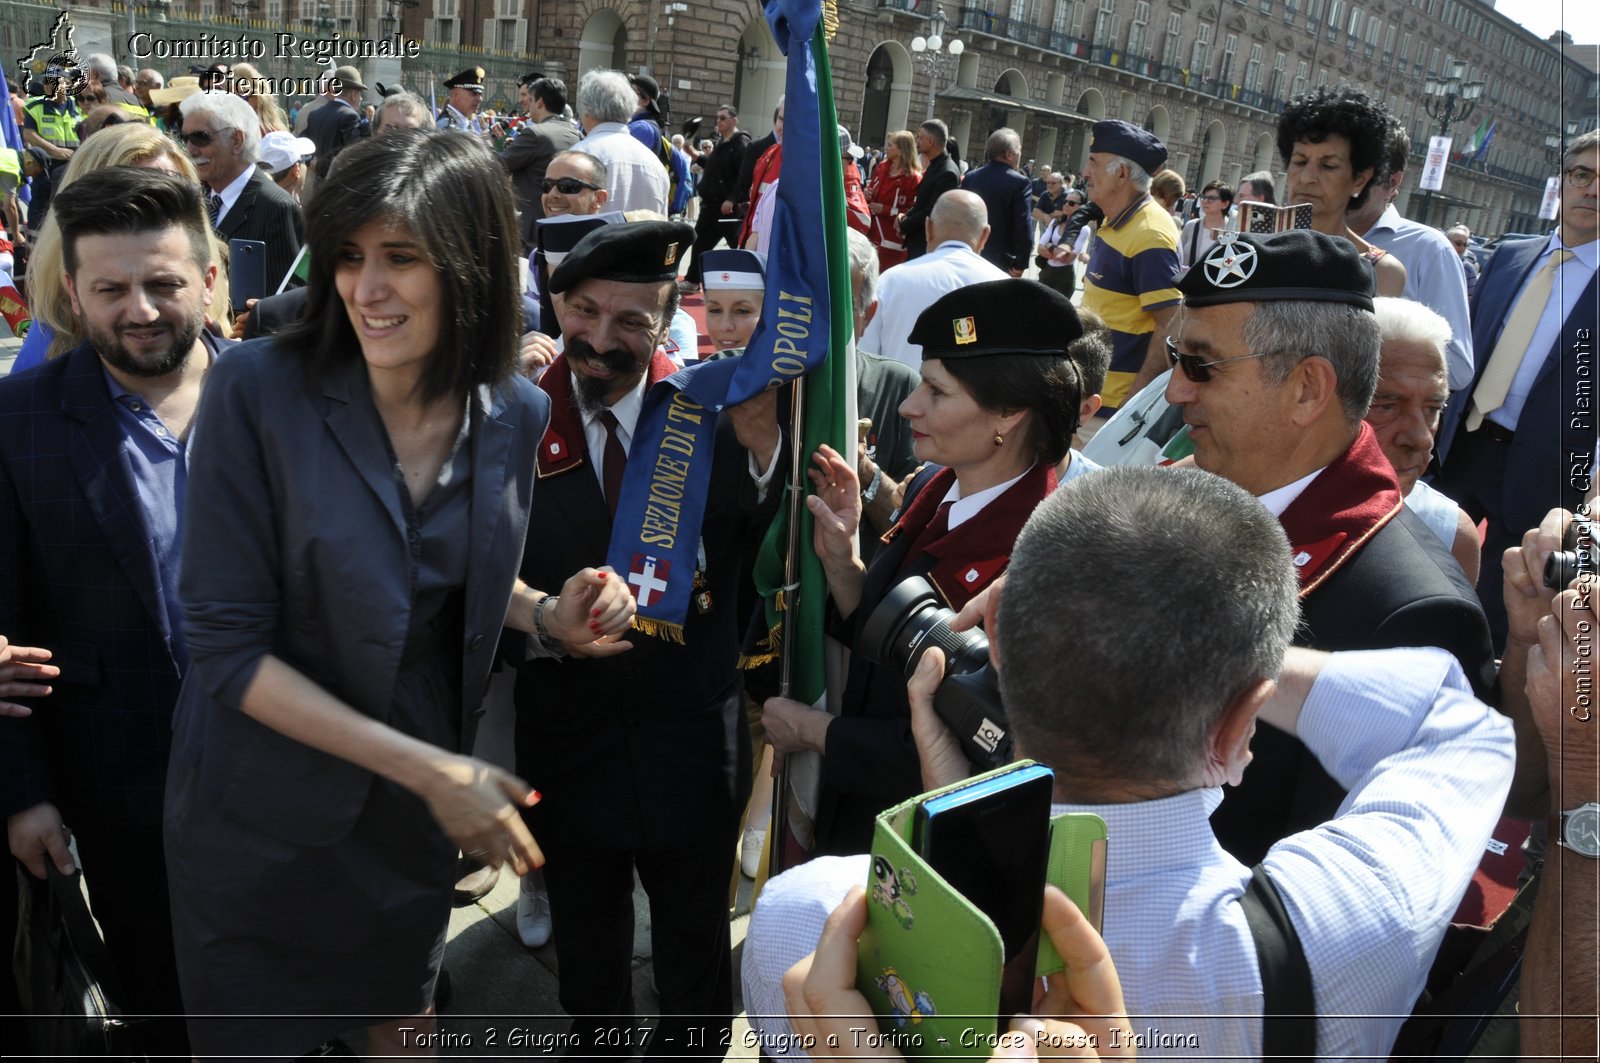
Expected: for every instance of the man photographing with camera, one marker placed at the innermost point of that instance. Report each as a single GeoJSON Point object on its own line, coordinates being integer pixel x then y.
{"type": "Point", "coordinates": [1140, 736]}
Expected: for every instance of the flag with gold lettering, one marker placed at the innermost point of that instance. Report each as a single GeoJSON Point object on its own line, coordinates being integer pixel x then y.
{"type": "Point", "coordinates": [655, 540]}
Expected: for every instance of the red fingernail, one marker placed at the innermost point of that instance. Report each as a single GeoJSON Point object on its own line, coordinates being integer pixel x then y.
{"type": "Point", "coordinates": [594, 612]}
{"type": "Point", "coordinates": [535, 795]}
{"type": "Point", "coordinates": [593, 626]}
{"type": "Point", "coordinates": [602, 575]}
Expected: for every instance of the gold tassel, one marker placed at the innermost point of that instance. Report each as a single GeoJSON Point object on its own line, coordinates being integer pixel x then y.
{"type": "Point", "coordinates": [768, 649]}
{"type": "Point", "coordinates": [830, 19]}
{"type": "Point", "coordinates": [780, 600]}
{"type": "Point", "coordinates": [659, 629]}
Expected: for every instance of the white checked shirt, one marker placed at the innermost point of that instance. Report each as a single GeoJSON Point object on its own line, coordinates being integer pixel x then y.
{"type": "Point", "coordinates": [1370, 893]}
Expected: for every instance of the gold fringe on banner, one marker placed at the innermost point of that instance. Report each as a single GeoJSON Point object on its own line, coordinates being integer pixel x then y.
{"type": "Point", "coordinates": [767, 649]}
{"type": "Point", "coordinates": [830, 19]}
{"type": "Point", "coordinates": [659, 629]}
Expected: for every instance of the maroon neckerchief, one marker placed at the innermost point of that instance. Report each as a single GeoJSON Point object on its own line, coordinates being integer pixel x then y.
{"type": "Point", "coordinates": [564, 446]}
{"type": "Point", "coordinates": [969, 558]}
{"type": "Point", "coordinates": [1341, 509]}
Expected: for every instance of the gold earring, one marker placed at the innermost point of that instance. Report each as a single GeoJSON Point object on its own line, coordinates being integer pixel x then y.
{"type": "Point", "coordinates": [999, 440]}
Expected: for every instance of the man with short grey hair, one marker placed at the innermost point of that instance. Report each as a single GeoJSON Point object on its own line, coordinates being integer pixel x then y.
{"type": "Point", "coordinates": [957, 230]}
{"type": "Point", "coordinates": [101, 71]}
{"type": "Point", "coordinates": [1276, 352]}
{"type": "Point", "coordinates": [223, 135]}
{"type": "Point", "coordinates": [1006, 195]}
{"type": "Point", "coordinates": [635, 178]}
{"type": "Point", "coordinates": [1129, 277]}
{"type": "Point", "coordinates": [1255, 188]}
{"type": "Point", "coordinates": [1460, 238]}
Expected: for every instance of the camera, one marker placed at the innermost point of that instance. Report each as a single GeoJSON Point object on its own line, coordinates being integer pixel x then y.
{"type": "Point", "coordinates": [1576, 556]}
{"type": "Point", "coordinates": [909, 621]}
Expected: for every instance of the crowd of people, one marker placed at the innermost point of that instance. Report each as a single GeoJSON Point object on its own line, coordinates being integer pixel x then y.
{"type": "Point", "coordinates": [252, 594]}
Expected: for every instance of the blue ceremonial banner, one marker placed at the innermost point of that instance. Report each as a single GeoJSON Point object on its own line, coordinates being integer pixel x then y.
{"type": "Point", "coordinates": [655, 539]}
{"type": "Point", "coordinates": [11, 134]}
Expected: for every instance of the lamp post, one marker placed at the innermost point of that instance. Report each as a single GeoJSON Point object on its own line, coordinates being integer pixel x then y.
{"type": "Point", "coordinates": [935, 52]}
{"type": "Point", "coordinates": [242, 7]}
{"type": "Point", "coordinates": [325, 18]}
{"type": "Point", "coordinates": [673, 11]}
{"type": "Point", "coordinates": [1449, 99]}
{"type": "Point", "coordinates": [1555, 145]}
{"type": "Point", "coordinates": [158, 8]}
{"type": "Point", "coordinates": [389, 24]}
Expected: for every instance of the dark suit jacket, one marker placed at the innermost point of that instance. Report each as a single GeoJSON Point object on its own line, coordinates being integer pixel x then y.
{"type": "Point", "coordinates": [78, 577]}
{"type": "Point", "coordinates": [1403, 588]}
{"type": "Point", "coordinates": [1005, 192]}
{"type": "Point", "coordinates": [940, 177]}
{"type": "Point", "coordinates": [333, 128]}
{"type": "Point", "coordinates": [275, 313]}
{"type": "Point", "coordinates": [527, 156]}
{"type": "Point", "coordinates": [643, 749]}
{"type": "Point", "coordinates": [296, 545]}
{"type": "Point", "coordinates": [267, 213]}
{"type": "Point", "coordinates": [740, 192]}
{"type": "Point", "coordinates": [1555, 434]}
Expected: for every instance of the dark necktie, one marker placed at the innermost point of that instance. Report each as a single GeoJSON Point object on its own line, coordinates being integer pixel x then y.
{"type": "Point", "coordinates": [214, 207]}
{"type": "Point", "coordinates": [616, 460]}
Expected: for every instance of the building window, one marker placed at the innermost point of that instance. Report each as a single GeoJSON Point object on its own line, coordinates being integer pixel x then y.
{"type": "Point", "coordinates": [1277, 77]}
{"type": "Point", "coordinates": [347, 9]}
{"type": "Point", "coordinates": [275, 11]}
{"type": "Point", "coordinates": [1061, 22]}
{"type": "Point", "coordinates": [1252, 69]}
{"type": "Point", "coordinates": [1170, 54]}
{"type": "Point", "coordinates": [1105, 22]}
{"type": "Point", "coordinates": [1200, 54]}
{"type": "Point", "coordinates": [1229, 47]}
{"type": "Point", "coordinates": [1300, 79]}
{"type": "Point", "coordinates": [445, 28]}
{"type": "Point", "coordinates": [1314, 15]}
{"type": "Point", "coordinates": [1141, 17]}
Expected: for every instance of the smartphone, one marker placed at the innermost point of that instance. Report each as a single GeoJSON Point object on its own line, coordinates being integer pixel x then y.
{"type": "Point", "coordinates": [991, 842]}
{"type": "Point", "coordinates": [247, 272]}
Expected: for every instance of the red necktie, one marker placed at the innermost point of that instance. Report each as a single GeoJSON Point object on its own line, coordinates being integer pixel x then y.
{"type": "Point", "coordinates": [616, 459]}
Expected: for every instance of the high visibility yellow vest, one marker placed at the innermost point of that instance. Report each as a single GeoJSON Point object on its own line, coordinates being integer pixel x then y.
{"type": "Point", "coordinates": [58, 127]}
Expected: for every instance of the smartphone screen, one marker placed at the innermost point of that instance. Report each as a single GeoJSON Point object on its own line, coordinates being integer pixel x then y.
{"type": "Point", "coordinates": [991, 842]}
{"type": "Point", "coordinates": [247, 272]}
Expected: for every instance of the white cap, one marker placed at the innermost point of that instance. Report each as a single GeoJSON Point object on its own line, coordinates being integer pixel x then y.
{"type": "Point", "coordinates": [280, 150]}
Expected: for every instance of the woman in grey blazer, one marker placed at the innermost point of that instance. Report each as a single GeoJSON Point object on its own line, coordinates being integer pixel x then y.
{"type": "Point", "coordinates": [357, 505]}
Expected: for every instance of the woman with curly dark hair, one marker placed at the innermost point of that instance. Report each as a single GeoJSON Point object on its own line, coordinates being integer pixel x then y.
{"type": "Point", "coordinates": [1332, 141]}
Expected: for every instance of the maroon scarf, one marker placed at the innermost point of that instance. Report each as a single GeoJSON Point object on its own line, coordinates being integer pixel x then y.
{"type": "Point", "coordinates": [1341, 509]}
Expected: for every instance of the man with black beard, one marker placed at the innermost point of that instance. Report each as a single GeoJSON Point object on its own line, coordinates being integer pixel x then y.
{"type": "Point", "coordinates": [639, 745]}
{"type": "Point", "coordinates": [92, 478]}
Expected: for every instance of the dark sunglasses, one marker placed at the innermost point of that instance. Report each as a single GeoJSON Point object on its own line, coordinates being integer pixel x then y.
{"type": "Point", "coordinates": [567, 186]}
{"type": "Point", "coordinates": [199, 138]}
{"type": "Point", "coordinates": [1194, 368]}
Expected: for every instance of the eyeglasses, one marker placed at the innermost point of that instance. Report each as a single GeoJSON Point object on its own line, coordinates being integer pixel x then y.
{"type": "Point", "coordinates": [1580, 177]}
{"type": "Point", "coordinates": [200, 137]}
{"type": "Point", "coordinates": [567, 186]}
{"type": "Point", "coordinates": [1194, 368]}
{"type": "Point", "coordinates": [1211, 199]}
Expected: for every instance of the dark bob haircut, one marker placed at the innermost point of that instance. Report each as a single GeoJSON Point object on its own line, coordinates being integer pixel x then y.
{"type": "Point", "coordinates": [454, 197]}
{"type": "Point", "coordinates": [1052, 388]}
{"type": "Point", "coordinates": [1344, 111]}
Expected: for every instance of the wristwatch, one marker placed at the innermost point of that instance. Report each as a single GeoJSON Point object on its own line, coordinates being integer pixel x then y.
{"type": "Point", "coordinates": [872, 488]}
{"type": "Point", "coordinates": [1578, 829]}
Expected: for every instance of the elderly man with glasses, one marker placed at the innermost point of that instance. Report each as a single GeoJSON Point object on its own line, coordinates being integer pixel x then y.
{"type": "Point", "coordinates": [1519, 440]}
{"type": "Point", "coordinates": [1276, 352]}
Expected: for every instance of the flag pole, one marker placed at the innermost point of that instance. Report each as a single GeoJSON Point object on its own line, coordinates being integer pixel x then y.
{"type": "Point", "coordinates": [791, 589]}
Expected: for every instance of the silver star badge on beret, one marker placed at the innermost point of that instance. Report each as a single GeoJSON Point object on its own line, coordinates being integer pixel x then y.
{"type": "Point", "coordinates": [1230, 264]}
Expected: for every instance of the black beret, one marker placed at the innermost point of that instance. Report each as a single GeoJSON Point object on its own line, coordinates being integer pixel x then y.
{"type": "Point", "coordinates": [1010, 316]}
{"type": "Point", "coordinates": [1295, 265]}
{"type": "Point", "coordinates": [471, 78]}
{"type": "Point", "coordinates": [637, 252]}
{"type": "Point", "coordinates": [646, 86]}
{"type": "Point", "coordinates": [1116, 137]}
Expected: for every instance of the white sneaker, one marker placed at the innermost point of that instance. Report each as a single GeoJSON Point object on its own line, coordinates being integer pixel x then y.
{"type": "Point", "coordinates": [534, 926]}
{"type": "Point", "coordinates": [750, 850]}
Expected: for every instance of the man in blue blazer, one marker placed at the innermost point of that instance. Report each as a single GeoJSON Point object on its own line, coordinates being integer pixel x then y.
{"type": "Point", "coordinates": [1006, 192]}
{"type": "Point", "coordinates": [92, 475]}
{"type": "Point", "coordinates": [1520, 440]}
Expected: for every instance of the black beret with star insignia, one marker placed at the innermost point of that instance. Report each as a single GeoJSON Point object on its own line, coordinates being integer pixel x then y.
{"type": "Point", "coordinates": [1010, 316]}
{"type": "Point", "coordinates": [636, 252]}
{"type": "Point", "coordinates": [1299, 265]}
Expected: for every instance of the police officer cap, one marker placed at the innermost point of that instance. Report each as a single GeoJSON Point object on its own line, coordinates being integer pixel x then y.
{"type": "Point", "coordinates": [637, 252]}
{"type": "Point", "coordinates": [1010, 316]}
{"type": "Point", "coordinates": [470, 79]}
{"type": "Point", "coordinates": [1116, 137]}
{"type": "Point", "coordinates": [1298, 265]}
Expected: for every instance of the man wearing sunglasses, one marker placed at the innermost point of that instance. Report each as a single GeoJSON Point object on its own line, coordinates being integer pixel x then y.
{"type": "Point", "coordinates": [1518, 441]}
{"type": "Point", "coordinates": [574, 183]}
{"type": "Point", "coordinates": [1276, 357]}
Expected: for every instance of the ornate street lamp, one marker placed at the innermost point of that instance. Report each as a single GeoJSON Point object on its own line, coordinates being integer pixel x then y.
{"type": "Point", "coordinates": [389, 24]}
{"type": "Point", "coordinates": [935, 53]}
{"type": "Point", "coordinates": [1449, 99]}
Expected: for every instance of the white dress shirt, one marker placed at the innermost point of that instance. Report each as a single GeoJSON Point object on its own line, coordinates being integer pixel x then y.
{"type": "Point", "coordinates": [635, 177]}
{"type": "Point", "coordinates": [1434, 278]}
{"type": "Point", "coordinates": [230, 195]}
{"type": "Point", "coordinates": [1369, 893]}
{"type": "Point", "coordinates": [1571, 278]}
{"type": "Point", "coordinates": [908, 289]}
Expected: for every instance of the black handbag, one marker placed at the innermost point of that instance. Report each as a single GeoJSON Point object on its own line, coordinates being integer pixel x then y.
{"type": "Point", "coordinates": [64, 976]}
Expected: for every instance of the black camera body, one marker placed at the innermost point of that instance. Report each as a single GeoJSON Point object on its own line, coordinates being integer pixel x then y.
{"type": "Point", "coordinates": [1576, 556]}
{"type": "Point", "coordinates": [909, 621]}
